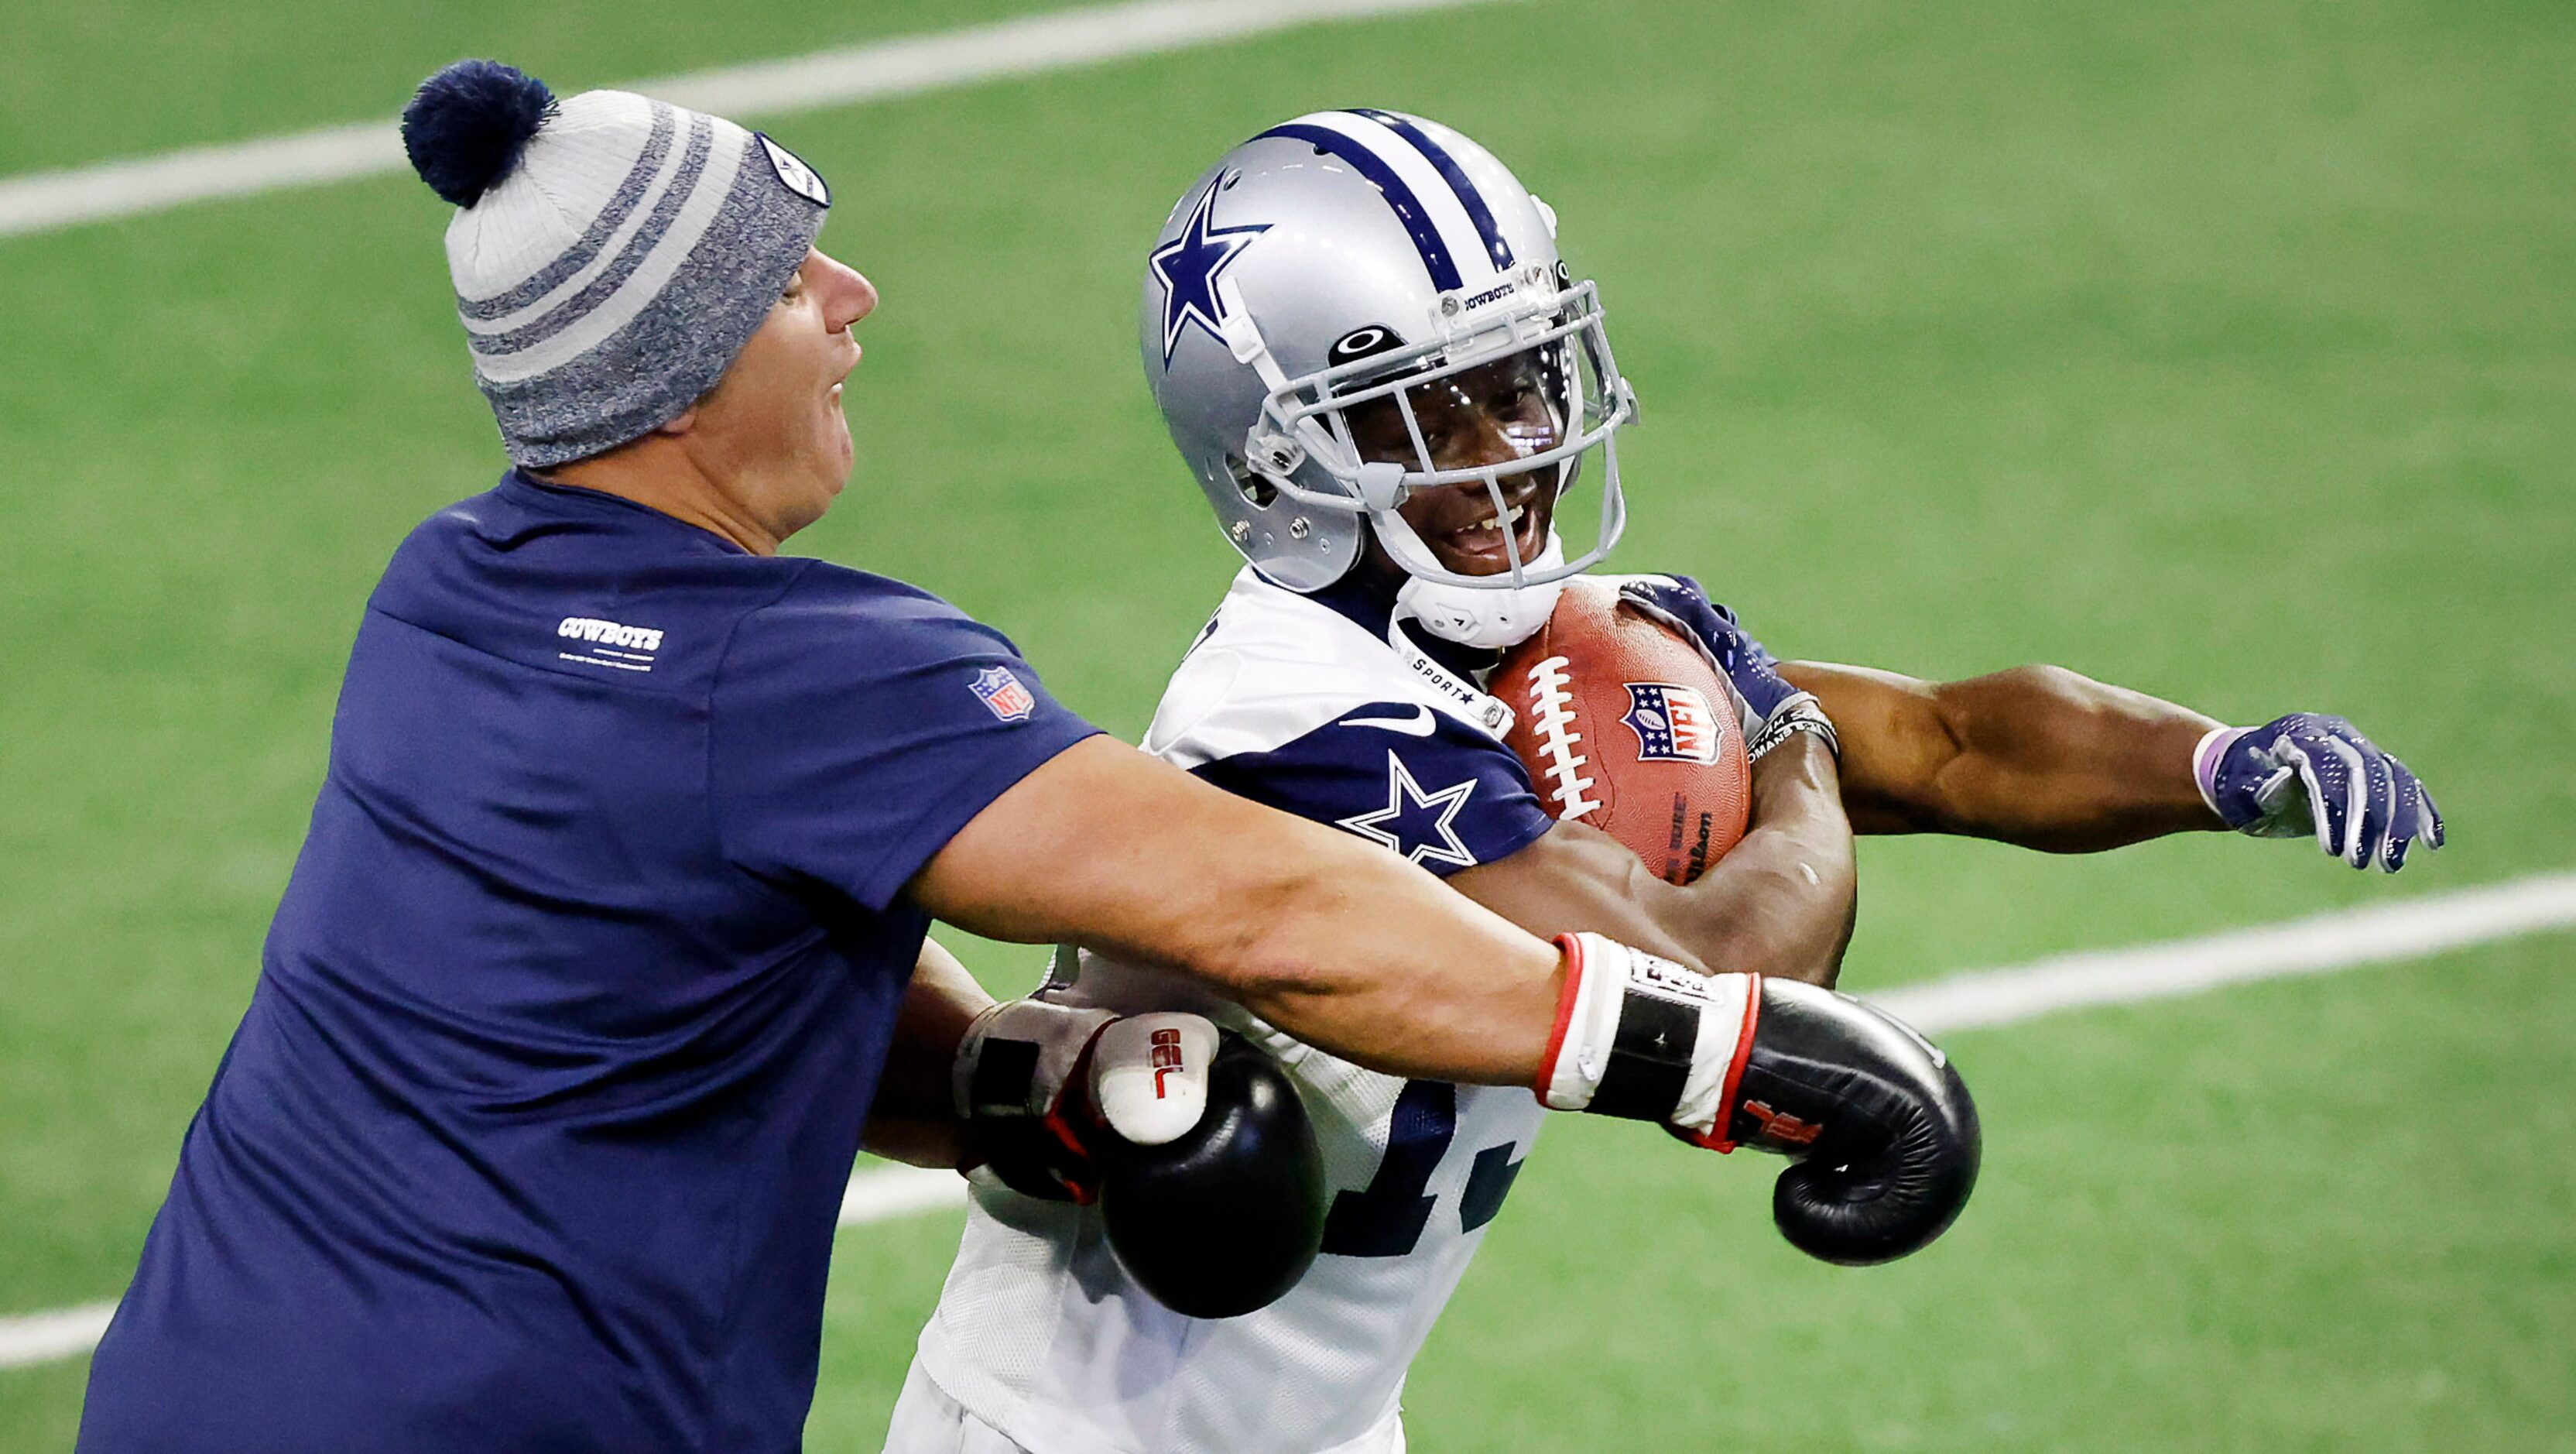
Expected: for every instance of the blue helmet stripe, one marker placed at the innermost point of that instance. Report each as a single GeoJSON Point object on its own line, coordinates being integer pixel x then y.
{"type": "Point", "coordinates": [1408, 208]}
{"type": "Point", "coordinates": [1497, 246]}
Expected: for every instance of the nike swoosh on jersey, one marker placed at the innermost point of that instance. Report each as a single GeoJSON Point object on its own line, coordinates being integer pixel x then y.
{"type": "Point", "coordinates": [1420, 724]}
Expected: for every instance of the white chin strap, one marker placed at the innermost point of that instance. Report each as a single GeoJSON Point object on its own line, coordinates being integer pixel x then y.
{"type": "Point", "coordinates": [1491, 617]}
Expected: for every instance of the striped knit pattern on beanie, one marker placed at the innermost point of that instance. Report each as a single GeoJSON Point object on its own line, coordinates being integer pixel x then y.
{"type": "Point", "coordinates": [608, 280]}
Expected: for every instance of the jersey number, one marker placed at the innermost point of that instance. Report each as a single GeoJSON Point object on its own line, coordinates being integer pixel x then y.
{"type": "Point", "coordinates": [1387, 1219]}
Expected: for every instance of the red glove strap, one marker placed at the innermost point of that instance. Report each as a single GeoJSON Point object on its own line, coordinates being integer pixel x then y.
{"type": "Point", "coordinates": [1735, 1067]}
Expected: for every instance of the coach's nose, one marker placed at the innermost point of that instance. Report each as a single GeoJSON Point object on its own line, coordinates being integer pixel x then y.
{"type": "Point", "coordinates": [848, 296]}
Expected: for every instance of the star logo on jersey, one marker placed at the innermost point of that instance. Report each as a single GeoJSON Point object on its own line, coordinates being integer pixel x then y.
{"type": "Point", "coordinates": [1416, 824]}
{"type": "Point", "coordinates": [1188, 266]}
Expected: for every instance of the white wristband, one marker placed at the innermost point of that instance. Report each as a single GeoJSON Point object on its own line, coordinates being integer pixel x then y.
{"type": "Point", "coordinates": [2205, 756]}
{"type": "Point", "coordinates": [1596, 971]}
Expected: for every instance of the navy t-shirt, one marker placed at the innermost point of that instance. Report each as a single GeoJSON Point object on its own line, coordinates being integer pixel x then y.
{"type": "Point", "coordinates": [534, 1133]}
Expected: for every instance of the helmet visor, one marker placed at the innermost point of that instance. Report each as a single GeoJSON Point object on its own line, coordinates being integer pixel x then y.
{"type": "Point", "coordinates": [1498, 412]}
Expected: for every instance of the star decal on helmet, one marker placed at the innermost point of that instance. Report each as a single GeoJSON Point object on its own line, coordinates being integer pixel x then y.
{"type": "Point", "coordinates": [1414, 823]}
{"type": "Point", "coordinates": [1188, 266]}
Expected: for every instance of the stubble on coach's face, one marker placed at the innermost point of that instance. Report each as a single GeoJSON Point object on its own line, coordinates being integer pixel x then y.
{"type": "Point", "coordinates": [771, 434]}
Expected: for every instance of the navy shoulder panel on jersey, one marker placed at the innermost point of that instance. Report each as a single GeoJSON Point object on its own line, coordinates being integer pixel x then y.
{"type": "Point", "coordinates": [1416, 781]}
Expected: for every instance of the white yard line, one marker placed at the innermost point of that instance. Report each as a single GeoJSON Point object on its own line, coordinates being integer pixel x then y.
{"type": "Point", "coordinates": [46, 1337]}
{"type": "Point", "coordinates": [2401, 929]}
{"type": "Point", "coordinates": [1058, 40]}
{"type": "Point", "coordinates": [888, 1192]}
{"type": "Point", "coordinates": [2407, 929]}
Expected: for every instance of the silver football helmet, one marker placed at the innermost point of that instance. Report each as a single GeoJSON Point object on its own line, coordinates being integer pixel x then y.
{"type": "Point", "coordinates": [1351, 257]}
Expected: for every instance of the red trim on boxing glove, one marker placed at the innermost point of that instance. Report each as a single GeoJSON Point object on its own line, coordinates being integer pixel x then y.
{"type": "Point", "coordinates": [1565, 999]}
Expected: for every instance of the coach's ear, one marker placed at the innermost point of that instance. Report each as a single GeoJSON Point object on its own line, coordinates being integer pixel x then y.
{"type": "Point", "coordinates": [673, 428]}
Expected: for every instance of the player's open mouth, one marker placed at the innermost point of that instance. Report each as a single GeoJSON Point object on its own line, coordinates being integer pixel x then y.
{"type": "Point", "coordinates": [1477, 548]}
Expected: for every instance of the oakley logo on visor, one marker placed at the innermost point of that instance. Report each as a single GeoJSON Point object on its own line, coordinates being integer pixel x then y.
{"type": "Point", "coordinates": [1361, 342]}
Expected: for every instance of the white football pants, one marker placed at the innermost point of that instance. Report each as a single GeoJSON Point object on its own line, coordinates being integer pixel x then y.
{"type": "Point", "coordinates": [928, 1421]}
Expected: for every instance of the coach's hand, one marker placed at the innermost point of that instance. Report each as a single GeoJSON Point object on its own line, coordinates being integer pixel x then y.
{"type": "Point", "coordinates": [1049, 1087]}
{"type": "Point", "coordinates": [1195, 1145]}
{"type": "Point", "coordinates": [1221, 1220]}
{"type": "Point", "coordinates": [1773, 709]}
{"type": "Point", "coordinates": [2306, 774]}
{"type": "Point", "coordinates": [1883, 1129]}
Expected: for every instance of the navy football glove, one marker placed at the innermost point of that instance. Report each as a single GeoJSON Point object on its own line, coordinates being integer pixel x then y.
{"type": "Point", "coordinates": [1773, 709]}
{"type": "Point", "coordinates": [2304, 774]}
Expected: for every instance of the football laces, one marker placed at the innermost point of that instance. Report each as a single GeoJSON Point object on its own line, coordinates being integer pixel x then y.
{"type": "Point", "coordinates": [1552, 720]}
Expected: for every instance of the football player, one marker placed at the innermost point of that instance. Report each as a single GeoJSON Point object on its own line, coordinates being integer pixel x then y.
{"type": "Point", "coordinates": [1365, 344]}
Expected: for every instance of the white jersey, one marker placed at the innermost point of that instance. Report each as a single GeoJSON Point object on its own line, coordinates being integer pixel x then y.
{"type": "Point", "coordinates": [1321, 707]}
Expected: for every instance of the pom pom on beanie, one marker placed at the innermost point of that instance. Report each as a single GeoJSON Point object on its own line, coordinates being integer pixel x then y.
{"type": "Point", "coordinates": [467, 125]}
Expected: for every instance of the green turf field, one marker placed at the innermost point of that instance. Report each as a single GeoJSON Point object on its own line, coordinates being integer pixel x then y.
{"type": "Point", "coordinates": [2226, 350]}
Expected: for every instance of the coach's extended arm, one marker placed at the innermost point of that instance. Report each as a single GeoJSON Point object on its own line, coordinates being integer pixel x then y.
{"type": "Point", "coordinates": [1358, 952]}
{"type": "Point", "coordinates": [1327, 937]}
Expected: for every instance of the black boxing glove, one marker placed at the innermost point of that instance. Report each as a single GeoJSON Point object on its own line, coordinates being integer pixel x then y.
{"type": "Point", "coordinates": [1223, 1219]}
{"type": "Point", "coordinates": [1882, 1128]}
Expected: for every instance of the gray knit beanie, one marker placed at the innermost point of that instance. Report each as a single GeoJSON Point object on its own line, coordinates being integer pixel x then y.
{"type": "Point", "coordinates": [611, 253]}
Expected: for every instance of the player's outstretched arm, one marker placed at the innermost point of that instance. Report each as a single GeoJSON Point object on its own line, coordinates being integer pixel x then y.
{"type": "Point", "coordinates": [2046, 758]}
{"type": "Point", "coordinates": [2038, 756]}
{"type": "Point", "coordinates": [1781, 902]}
{"type": "Point", "coordinates": [1327, 937]}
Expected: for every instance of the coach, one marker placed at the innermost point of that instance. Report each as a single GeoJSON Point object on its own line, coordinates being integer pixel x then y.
{"type": "Point", "coordinates": [570, 1020]}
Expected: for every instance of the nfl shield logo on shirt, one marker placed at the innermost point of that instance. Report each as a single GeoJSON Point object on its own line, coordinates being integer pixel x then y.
{"type": "Point", "coordinates": [1004, 694]}
{"type": "Point", "coordinates": [1673, 724]}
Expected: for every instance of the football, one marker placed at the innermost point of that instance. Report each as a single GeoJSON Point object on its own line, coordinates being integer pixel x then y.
{"type": "Point", "coordinates": [1625, 726]}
